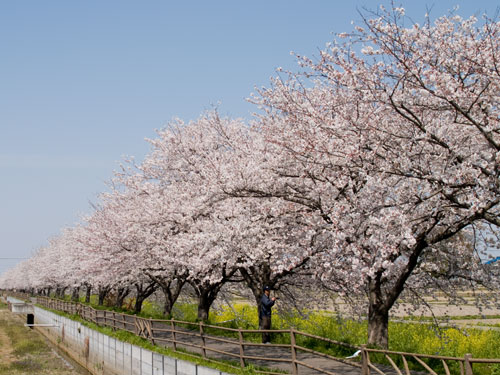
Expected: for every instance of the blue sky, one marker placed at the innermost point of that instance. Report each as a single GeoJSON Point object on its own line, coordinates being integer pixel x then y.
{"type": "Point", "coordinates": [82, 83]}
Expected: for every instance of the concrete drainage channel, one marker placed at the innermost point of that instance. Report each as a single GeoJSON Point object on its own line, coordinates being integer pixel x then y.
{"type": "Point", "coordinates": [69, 363]}
{"type": "Point", "coordinates": [67, 360]}
{"type": "Point", "coordinates": [104, 355]}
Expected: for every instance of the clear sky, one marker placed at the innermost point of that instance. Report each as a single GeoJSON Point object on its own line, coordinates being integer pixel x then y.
{"type": "Point", "coordinates": [82, 83]}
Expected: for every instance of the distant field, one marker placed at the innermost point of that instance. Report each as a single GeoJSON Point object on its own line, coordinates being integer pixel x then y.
{"type": "Point", "coordinates": [439, 307]}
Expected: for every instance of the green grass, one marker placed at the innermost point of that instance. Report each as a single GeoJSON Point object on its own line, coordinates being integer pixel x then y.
{"type": "Point", "coordinates": [26, 345]}
{"type": "Point", "coordinates": [23, 340]}
{"type": "Point", "coordinates": [27, 364]}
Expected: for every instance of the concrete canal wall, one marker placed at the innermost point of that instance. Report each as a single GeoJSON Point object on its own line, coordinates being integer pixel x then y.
{"type": "Point", "coordinates": [104, 355]}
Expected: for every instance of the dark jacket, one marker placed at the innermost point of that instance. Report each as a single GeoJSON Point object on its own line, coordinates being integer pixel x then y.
{"type": "Point", "coordinates": [265, 306]}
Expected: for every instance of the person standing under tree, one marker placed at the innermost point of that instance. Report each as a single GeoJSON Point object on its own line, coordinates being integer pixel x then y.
{"type": "Point", "coordinates": [265, 314]}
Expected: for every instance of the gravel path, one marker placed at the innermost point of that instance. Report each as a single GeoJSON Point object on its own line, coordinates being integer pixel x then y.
{"type": "Point", "coordinates": [281, 355]}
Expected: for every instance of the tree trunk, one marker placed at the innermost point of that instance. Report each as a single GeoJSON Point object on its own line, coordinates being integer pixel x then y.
{"type": "Point", "coordinates": [171, 295]}
{"type": "Point", "coordinates": [378, 328]}
{"type": "Point", "coordinates": [378, 314]}
{"type": "Point", "coordinates": [138, 304]}
{"type": "Point", "coordinates": [143, 292]}
{"type": "Point", "coordinates": [206, 293]}
{"type": "Point", "coordinates": [102, 292]}
{"type": "Point", "coordinates": [204, 305]}
{"type": "Point", "coordinates": [75, 296]}
{"type": "Point", "coordinates": [87, 293]}
{"type": "Point", "coordinates": [382, 299]}
{"type": "Point", "coordinates": [60, 292]}
{"type": "Point", "coordinates": [121, 294]}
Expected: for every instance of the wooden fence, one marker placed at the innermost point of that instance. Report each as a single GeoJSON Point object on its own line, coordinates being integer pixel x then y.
{"type": "Point", "coordinates": [204, 338]}
{"type": "Point", "coordinates": [441, 364]}
{"type": "Point", "coordinates": [225, 343]}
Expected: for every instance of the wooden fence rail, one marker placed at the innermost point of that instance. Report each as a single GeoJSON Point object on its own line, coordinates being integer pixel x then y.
{"type": "Point", "coordinates": [231, 343]}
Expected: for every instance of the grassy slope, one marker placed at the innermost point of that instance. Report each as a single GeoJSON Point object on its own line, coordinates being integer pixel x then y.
{"type": "Point", "coordinates": [31, 354]}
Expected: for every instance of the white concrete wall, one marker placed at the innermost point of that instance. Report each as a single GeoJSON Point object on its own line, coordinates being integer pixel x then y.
{"type": "Point", "coordinates": [22, 308]}
{"type": "Point", "coordinates": [109, 356]}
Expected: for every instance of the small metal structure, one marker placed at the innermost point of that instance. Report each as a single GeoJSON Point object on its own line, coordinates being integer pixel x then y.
{"type": "Point", "coordinates": [40, 325]}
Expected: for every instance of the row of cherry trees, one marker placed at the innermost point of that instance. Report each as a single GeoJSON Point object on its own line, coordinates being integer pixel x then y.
{"type": "Point", "coordinates": [356, 175]}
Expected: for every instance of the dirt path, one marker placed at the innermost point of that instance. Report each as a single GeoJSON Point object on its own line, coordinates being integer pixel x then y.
{"type": "Point", "coordinates": [281, 355]}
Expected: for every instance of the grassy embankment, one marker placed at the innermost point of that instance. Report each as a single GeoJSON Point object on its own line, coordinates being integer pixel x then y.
{"type": "Point", "coordinates": [24, 351]}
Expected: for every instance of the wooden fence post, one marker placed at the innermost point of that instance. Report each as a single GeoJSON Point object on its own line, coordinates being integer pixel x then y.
{"type": "Point", "coordinates": [150, 329]}
{"type": "Point", "coordinates": [242, 358]}
{"type": "Point", "coordinates": [295, 369]}
{"type": "Point", "coordinates": [365, 369]}
{"type": "Point", "coordinates": [468, 364]}
{"type": "Point", "coordinates": [203, 351]}
{"type": "Point", "coordinates": [173, 334]}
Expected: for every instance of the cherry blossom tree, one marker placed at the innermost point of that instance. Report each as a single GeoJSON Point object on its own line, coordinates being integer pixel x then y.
{"type": "Point", "coordinates": [217, 235]}
{"type": "Point", "coordinates": [115, 239]}
{"type": "Point", "coordinates": [55, 266]}
{"type": "Point", "coordinates": [392, 136]}
{"type": "Point", "coordinates": [190, 228]}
